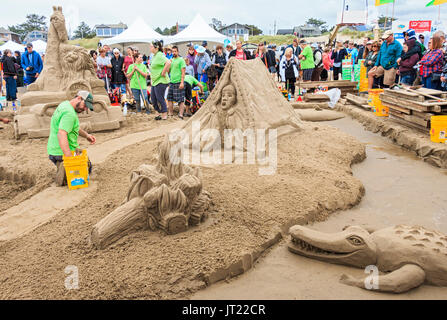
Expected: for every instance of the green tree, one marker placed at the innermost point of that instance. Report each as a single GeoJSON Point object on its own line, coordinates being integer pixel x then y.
{"type": "Point", "coordinates": [33, 22]}
{"type": "Point", "coordinates": [254, 30]}
{"type": "Point", "coordinates": [318, 23]}
{"type": "Point", "coordinates": [83, 32]}
{"type": "Point", "coordinates": [388, 20]}
{"type": "Point", "coordinates": [159, 30]}
{"type": "Point", "coordinates": [216, 24]}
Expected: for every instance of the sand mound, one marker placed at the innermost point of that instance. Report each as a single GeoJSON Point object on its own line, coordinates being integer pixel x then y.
{"type": "Point", "coordinates": [312, 180]}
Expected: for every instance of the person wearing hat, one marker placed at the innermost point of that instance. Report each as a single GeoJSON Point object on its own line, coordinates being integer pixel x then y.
{"type": "Point", "coordinates": [32, 64]}
{"type": "Point", "coordinates": [307, 60]}
{"type": "Point", "coordinates": [65, 129]}
{"type": "Point", "coordinates": [421, 42]}
{"type": "Point", "coordinates": [203, 62]}
{"type": "Point", "coordinates": [386, 63]}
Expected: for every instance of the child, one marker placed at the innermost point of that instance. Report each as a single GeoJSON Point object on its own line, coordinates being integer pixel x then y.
{"type": "Point", "coordinates": [189, 68]}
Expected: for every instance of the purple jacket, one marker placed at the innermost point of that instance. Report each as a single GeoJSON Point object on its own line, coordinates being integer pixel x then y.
{"type": "Point", "coordinates": [191, 62]}
{"type": "Point", "coordinates": [409, 60]}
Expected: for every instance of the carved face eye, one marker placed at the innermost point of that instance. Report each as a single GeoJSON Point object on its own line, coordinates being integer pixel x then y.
{"type": "Point", "coordinates": [357, 241]}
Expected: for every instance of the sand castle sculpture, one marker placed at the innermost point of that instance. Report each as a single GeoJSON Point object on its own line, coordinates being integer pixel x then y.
{"type": "Point", "coordinates": [67, 69]}
{"type": "Point", "coordinates": [410, 256]}
{"type": "Point", "coordinates": [168, 196]}
{"type": "Point", "coordinates": [246, 97]}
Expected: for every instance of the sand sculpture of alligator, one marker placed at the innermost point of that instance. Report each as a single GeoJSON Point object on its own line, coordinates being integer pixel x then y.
{"type": "Point", "coordinates": [168, 196]}
{"type": "Point", "coordinates": [408, 256]}
{"type": "Point", "coordinates": [67, 69]}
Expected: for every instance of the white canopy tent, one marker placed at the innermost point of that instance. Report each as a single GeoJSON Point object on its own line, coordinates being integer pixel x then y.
{"type": "Point", "coordinates": [197, 30]}
{"type": "Point", "coordinates": [39, 46]}
{"type": "Point", "coordinates": [138, 32]}
{"type": "Point", "coordinates": [13, 46]}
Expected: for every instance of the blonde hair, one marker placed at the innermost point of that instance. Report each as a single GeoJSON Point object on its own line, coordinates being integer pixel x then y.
{"type": "Point", "coordinates": [288, 52]}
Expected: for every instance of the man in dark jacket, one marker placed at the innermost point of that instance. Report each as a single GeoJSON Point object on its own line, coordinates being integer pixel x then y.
{"type": "Point", "coordinates": [338, 55]}
{"type": "Point", "coordinates": [362, 49]}
{"type": "Point", "coordinates": [32, 64]}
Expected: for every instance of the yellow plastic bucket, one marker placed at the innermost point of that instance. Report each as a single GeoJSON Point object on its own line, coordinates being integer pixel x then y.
{"type": "Point", "coordinates": [374, 101]}
{"type": "Point", "coordinates": [438, 132]}
{"type": "Point", "coordinates": [76, 169]}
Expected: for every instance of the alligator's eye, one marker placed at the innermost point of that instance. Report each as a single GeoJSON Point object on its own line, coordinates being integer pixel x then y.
{"type": "Point", "coordinates": [356, 240]}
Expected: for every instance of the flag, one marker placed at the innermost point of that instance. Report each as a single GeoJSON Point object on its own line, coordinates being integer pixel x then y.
{"type": "Point", "coordinates": [436, 3]}
{"type": "Point", "coordinates": [380, 2]}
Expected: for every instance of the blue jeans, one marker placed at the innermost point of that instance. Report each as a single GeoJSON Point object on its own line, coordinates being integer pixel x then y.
{"type": "Point", "coordinates": [121, 86]}
{"type": "Point", "coordinates": [137, 95]}
{"type": "Point", "coordinates": [11, 88]}
{"type": "Point", "coordinates": [408, 79]}
{"type": "Point", "coordinates": [29, 78]}
{"type": "Point", "coordinates": [429, 84]}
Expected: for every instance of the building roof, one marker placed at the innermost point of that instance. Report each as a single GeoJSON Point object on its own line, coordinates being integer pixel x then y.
{"type": "Point", "coordinates": [232, 25]}
{"type": "Point", "coordinates": [3, 30]}
{"type": "Point", "coordinates": [116, 25]}
{"type": "Point", "coordinates": [284, 31]}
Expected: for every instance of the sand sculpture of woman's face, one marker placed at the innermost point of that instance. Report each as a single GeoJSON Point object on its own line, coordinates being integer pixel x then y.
{"type": "Point", "coordinates": [228, 97]}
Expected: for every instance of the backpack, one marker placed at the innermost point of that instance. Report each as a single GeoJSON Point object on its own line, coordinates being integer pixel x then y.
{"type": "Point", "coordinates": [321, 61]}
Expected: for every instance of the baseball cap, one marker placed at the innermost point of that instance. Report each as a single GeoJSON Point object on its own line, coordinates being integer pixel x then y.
{"type": "Point", "coordinates": [29, 45]}
{"type": "Point", "coordinates": [201, 49]}
{"type": "Point", "coordinates": [314, 45]}
{"type": "Point", "coordinates": [204, 43]}
{"type": "Point", "coordinates": [87, 97]}
{"type": "Point", "coordinates": [387, 34]}
{"type": "Point", "coordinates": [303, 41]}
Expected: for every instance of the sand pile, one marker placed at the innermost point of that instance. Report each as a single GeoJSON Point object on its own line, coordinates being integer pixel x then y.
{"type": "Point", "coordinates": [250, 211]}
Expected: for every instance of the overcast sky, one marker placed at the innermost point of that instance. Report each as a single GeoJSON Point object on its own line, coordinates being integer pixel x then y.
{"type": "Point", "coordinates": [261, 13]}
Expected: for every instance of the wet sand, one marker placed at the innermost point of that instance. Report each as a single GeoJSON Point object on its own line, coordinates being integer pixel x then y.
{"type": "Point", "coordinates": [400, 189]}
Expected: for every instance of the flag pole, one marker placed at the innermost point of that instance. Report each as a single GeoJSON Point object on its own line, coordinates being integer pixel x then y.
{"type": "Point", "coordinates": [392, 17]}
{"type": "Point", "coordinates": [439, 13]}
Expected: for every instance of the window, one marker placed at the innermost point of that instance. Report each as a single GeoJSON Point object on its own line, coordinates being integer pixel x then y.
{"type": "Point", "coordinates": [113, 31]}
{"type": "Point", "coordinates": [119, 30]}
{"type": "Point", "coordinates": [107, 32]}
{"type": "Point", "coordinates": [99, 32]}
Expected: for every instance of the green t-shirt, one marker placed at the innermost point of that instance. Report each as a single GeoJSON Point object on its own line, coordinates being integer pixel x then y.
{"type": "Point", "coordinates": [177, 64]}
{"type": "Point", "coordinates": [134, 84]}
{"type": "Point", "coordinates": [157, 66]}
{"type": "Point", "coordinates": [309, 62]}
{"type": "Point", "coordinates": [65, 118]}
{"type": "Point", "coordinates": [191, 80]}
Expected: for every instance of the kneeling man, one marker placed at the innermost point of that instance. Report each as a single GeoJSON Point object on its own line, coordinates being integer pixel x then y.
{"type": "Point", "coordinates": [65, 130]}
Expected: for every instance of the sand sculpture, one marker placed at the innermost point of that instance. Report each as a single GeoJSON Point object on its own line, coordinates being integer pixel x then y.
{"type": "Point", "coordinates": [67, 69]}
{"type": "Point", "coordinates": [410, 256]}
{"type": "Point", "coordinates": [246, 97]}
{"type": "Point", "coordinates": [168, 196]}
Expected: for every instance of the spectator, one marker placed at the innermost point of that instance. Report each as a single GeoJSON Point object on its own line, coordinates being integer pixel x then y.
{"type": "Point", "coordinates": [367, 49]}
{"type": "Point", "coordinates": [203, 62]}
{"type": "Point", "coordinates": [239, 53]}
{"type": "Point", "coordinates": [191, 56]}
{"type": "Point", "coordinates": [386, 63]}
{"type": "Point", "coordinates": [295, 47]}
{"type": "Point", "coordinates": [432, 64]}
{"type": "Point", "coordinates": [219, 61]}
{"type": "Point", "coordinates": [169, 54]}
{"type": "Point", "coordinates": [189, 68]}
{"type": "Point", "coordinates": [94, 56]}
{"type": "Point", "coordinates": [327, 64]}
{"type": "Point", "coordinates": [160, 80]}
{"type": "Point", "coordinates": [271, 61]}
{"type": "Point", "coordinates": [137, 73]}
{"type": "Point", "coordinates": [307, 61]}
{"type": "Point", "coordinates": [289, 70]}
{"type": "Point", "coordinates": [363, 50]}
{"type": "Point", "coordinates": [409, 58]}
{"type": "Point", "coordinates": [118, 75]}
{"type": "Point", "coordinates": [338, 55]}
{"type": "Point", "coordinates": [229, 48]}
{"type": "Point", "coordinates": [32, 64]}
{"type": "Point", "coordinates": [352, 52]}
{"type": "Point", "coordinates": [20, 73]}
{"type": "Point", "coordinates": [104, 68]}
{"type": "Point", "coordinates": [109, 53]}
{"type": "Point", "coordinates": [267, 57]}
{"type": "Point", "coordinates": [371, 58]}
{"type": "Point", "coordinates": [205, 45]}
{"type": "Point", "coordinates": [421, 43]}
{"type": "Point", "coordinates": [128, 60]}
{"type": "Point", "coordinates": [10, 75]}
{"type": "Point", "coordinates": [318, 61]}
{"type": "Point", "coordinates": [176, 91]}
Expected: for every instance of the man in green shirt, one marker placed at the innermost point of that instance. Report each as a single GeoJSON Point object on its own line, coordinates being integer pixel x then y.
{"type": "Point", "coordinates": [176, 91]}
{"type": "Point", "coordinates": [190, 82]}
{"type": "Point", "coordinates": [307, 60]}
{"type": "Point", "coordinates": [64, 131]}
{"type": "Point", "coordinates": [137, 73]}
